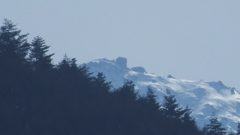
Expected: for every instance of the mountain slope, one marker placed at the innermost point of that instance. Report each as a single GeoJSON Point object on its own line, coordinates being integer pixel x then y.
{"type": "Point", "coordinates": [203, 98]}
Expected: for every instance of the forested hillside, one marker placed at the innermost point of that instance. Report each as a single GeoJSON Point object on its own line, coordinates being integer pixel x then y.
{"type": "Point", "coordinates": [40, 98]}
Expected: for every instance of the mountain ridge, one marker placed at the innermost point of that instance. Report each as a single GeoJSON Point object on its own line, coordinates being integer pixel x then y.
{"type": "Point", "coordinates": [204, 98]}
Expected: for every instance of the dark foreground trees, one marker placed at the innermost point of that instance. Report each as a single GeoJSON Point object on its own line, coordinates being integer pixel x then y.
{"type": "Point", "coordinates": [39, 98]}
{"type": "Point", "coordinates": [214, 127]}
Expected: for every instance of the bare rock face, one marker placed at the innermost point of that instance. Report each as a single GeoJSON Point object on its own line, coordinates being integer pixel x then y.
{"type": "Point", "coordinates": [139, 69]}
{"type": "Point", "coordinates": [121, 62]}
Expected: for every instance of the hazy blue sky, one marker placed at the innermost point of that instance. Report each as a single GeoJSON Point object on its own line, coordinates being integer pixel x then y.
{"type": "Point", "coordinates": [190, 39]}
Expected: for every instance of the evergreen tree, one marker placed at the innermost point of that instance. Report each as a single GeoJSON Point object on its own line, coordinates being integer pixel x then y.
{"type": "Point", "coordinates": [170, 108]}
{"type": "Point", "coordinates": [73, 77]}
{"type": "Point", "coordinates": [39, 59]}
{"type": "Point", "coordinates": [100, 83]}
{"type": "Point", "coordinates": [69, 74]}
{"type": "Point", "coordinates": [14, 78]}
{"type": "Point", "coordinates": [187, 118]}
{"type": "Point", "coordinates": [67, 63]}
{"type": "Point", "coordinates": [67, 100]}
{"type": "Point", "coordinates": [13, 45]}
{"type": "Point", "coordinates": [127, 91]}
{"type": "Point", "coordinates": [189, 122]}
{"type": "Point", "coordinates": [13, 51]}
{"type": "Point", "coordinates": [215, 127]}
{"type": "Point", "coordinates": [84, 72]}
{"type": "Point", "coordinates": [152, 98]}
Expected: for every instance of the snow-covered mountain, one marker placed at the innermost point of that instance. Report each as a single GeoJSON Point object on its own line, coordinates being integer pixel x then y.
{"type": "Point", "coordinates": [204, 98]}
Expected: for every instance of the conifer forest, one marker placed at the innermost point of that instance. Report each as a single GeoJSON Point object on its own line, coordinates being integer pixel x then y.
{"type": "Point", "coordinates": [38, 97]}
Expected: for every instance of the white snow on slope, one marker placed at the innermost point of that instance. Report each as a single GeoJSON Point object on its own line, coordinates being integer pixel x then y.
{"type": "Point", "coordinates": [204, 98]}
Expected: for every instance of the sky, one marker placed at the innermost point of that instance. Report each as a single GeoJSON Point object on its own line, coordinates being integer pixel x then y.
{"type": "Point", "coordinates": [189, 39]}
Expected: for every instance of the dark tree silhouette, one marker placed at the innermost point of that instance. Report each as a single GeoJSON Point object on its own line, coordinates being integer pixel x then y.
{"type": "Point", "coordinates": [13, 87]}
{"type": "Point", "coordinates": [187, 118]}
{"type": "Point", "coordinates": [39, 59]}
{"type": "Point", "coordinates": [100, 82]}
{"type": "Point", "coordinates": [12, 43]}
{"type": "Point", "coordinates": [214, 127]}
{"type": "Point", "coordinates": [151, 99]}
{"type": "Point", "coordinates": [39, 98]}
{"type": "Point", "coordinates": [170, 108]}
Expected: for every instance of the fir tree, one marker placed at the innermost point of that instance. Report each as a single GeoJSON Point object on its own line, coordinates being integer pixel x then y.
{"type": "Point", "coordinates": [100, 83]}
{"type": "Point", "coordinates": [187, 118]}
{"type": "Point", "coordinates": [67, 100]}
{"type": "Point", "coordinates": [215, 127]}
{"type": "Point", "coordinates": [39, 59]}
{"type": "Point", "coordinates": [170, 108]}
{"type": "Point", "coordinates": [12, 43]}
{"type": "Point", "coordinates": [14, 78]}
{"type": "Point", "coordinates": [67, 64]}
{"type": "Point", "coordinates": [152, 98]}
{"type": "Point", "coordinates": [189, 122]}
{"type": "Point", "coordinates": [127, 91]}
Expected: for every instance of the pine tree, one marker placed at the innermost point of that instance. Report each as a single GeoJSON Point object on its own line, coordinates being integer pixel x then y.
{"type": "Point", "coordinates": [152, 98]}
{"type": "Point", "coordinates": [170, 108]}
{"type": "Point", "coordinates": [39, 59]}
{"type": "Point", "coordinates": [13, 51]}
{"type": "Point", "coordinates": [187, 118]}
{"type": "Point", "coordinates": [67, 64]}
{"type": "Point", "coordinates": [12, 44]}
{"type": "Point", "coordinates": [72, 74]}
{"type": "Point", "coordinates": [68, 71]}
{"type": "Point", "coordinates": [215, 127]}
{"type": "Point", "coordinates": [189, 122]}
{"type": "Point", "coordinates": [13, 48]}
{"type": "Point", "coordinates": [127, 91]}
{"type": "Point", "coordinates": [14, 78]}
{"type": "Point", "coordinates": [100, 83]}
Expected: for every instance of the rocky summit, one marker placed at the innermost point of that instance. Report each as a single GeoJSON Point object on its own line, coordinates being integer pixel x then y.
{"type": "Point", "coordinates": [204, 98]}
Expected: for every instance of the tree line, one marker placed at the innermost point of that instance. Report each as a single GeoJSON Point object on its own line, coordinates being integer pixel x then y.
{"type": "Point", "coordinates": [40, 98]}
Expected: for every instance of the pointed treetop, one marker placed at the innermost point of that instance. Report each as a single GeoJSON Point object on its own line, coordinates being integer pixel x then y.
{"type": "Point", "coordinates": [38, 55]}
{"type": "Point", "coordinates": [13, 44]}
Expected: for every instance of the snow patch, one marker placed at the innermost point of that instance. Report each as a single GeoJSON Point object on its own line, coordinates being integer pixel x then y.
{"type": "Point", "coordinates": [203, 97]}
